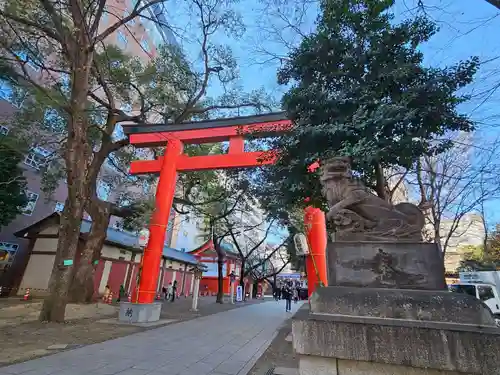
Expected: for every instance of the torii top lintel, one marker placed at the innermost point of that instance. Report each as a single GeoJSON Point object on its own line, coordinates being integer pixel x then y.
{"type": "Point", "coordinates": [219, 130]}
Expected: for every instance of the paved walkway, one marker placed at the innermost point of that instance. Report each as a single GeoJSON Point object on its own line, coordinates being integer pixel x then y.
{"type": "Point", "coordinates": [227, 343]}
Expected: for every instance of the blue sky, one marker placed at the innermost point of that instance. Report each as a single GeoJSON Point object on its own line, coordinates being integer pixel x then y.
{"type": "Point", "coordinates": [467, 28]}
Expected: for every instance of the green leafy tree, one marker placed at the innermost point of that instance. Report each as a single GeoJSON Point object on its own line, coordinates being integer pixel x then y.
{"type": "Point", "coordinates": [80, 88]}
{"type": "Point", "coordinates": [358, 87]}
{"type": "Point", "coordinates": [12, 181]}
{"type": "Point", "coordinates": [482, 258]}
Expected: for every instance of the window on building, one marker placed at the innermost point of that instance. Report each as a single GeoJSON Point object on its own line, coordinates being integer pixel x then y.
{"type": "Point", "coordinates": [8, 252]}
{"type": "Point", "coordinates": [104, 17]}
{"type": "Point", "coordinates": [65, 83]}
{"type": "Point", "coordinates": [127, 108]}
{"type": "Point", "coordinates": [118, 133]}
{"type": "Point", "coordinates": [132, 21]}
{"type": "Point", "coordinates": [29, 208]}
{"type": "Point", "coordinates": [4, 130]}
{"type": "Point", "coordinates": [5, 90]}
{"type": "Point", "coordinates": [37, 157]}
{"type": "Point", "coordinates": [59, 207]}
{"type": "Point", "coordinates": [124, 200]}
{"type": "Point", "coordinates": [146, 187]}
{"type": "Point", "coordinates": [52, 120]}
{"type": "Point", "coordinates": [145, 45]}
{"type": "Point", "coordinates": [103, 190]}
{"type": "Point", "coordinates": [122, 39]}
{"type": "Point", "coordinates": [32, 61]}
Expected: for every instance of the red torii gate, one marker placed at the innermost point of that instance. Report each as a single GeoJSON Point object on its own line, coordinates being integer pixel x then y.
{"type": "Point", "coordinates": [173, 137]}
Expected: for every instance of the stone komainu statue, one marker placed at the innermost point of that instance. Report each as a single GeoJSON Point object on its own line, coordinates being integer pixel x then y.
{"type": "Point", "coordinates": [359, 215]}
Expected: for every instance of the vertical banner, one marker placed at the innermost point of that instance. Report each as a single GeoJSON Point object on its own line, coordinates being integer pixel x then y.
{"type": "Point", "coordinates": [239, 293]}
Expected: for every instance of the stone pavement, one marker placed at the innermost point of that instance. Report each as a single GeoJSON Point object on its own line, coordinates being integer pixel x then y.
{"type": "Point", "coordinates": [227, 343]}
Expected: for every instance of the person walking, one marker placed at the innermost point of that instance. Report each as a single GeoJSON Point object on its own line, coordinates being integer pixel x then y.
{"type": "Point", "coordinates": [174, 290]}
{"type": "Point", "coordinates": [168, 294]}
{"type": "Point", "coordinates": [287, 295]}
{"type": "Point", "coordinates": [122, 294]}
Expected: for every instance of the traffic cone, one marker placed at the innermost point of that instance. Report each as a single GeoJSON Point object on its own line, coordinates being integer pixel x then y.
{"type": "Point", "coordinates": [158, 297]}
{"type": "Point", "coordinates": [129, 297]}
{"type": "Point", "coordinates": [110, 298]}
{"type": "Point", "coordinates": [27, 295]}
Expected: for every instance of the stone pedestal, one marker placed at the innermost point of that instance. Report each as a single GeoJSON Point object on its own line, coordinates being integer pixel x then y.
{"type": "Point", "coordinates": [139, 312]}
{"type": "Point", "coordinates": [386, 312]}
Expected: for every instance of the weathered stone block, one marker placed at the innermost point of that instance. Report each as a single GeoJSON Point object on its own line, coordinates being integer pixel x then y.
{"type": "Point", "coordinates": [311, 365]}
{"type": "Point", "coordinates": [439, 306]}
{"type": "Point", "coordinates": [441, 346]}
{"type": "Point", "coordinates": [385, 265]}
{"type": "Point", "coordinates": [139, 312]}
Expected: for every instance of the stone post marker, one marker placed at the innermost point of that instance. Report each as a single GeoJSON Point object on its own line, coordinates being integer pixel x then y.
{"type": "Point", "coordinates": [198, 274]}
{"type": "Point", "coordinates": [386, 309]}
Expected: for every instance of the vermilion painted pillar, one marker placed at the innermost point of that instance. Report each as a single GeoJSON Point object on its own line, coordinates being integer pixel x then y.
{"type": "Point", "coordinates": [315, 223]}
{"type": "Point", "coordinates": [159, 221]}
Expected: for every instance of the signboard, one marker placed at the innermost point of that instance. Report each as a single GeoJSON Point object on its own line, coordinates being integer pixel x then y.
{"type": "Point", "coordinates": [289, 276]}
{"type": "Point", "coordinates": [486, 277]}
{"type": "Point", "coordinates": [239, 293]}
{"type": "Point", "coordinates": [143, 237]}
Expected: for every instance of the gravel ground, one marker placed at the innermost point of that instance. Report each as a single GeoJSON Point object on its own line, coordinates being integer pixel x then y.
{"type": "Point", "coordinates": [23, 337]}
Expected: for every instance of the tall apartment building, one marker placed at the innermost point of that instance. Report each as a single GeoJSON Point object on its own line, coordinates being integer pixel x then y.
{"type": "Point", "coordinates": [252, 222]}
{"type": "Point", "coordinates": [140, 38]}
{"type": "Point", "coordinates": [470, 232]}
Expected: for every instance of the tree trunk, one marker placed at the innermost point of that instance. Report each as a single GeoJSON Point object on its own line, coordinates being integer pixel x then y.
{"type": "Point", "coordinates": [82, 286]}
{"type": "Point", "coordinates": [77, 155]}
{"type": "Point", "coordinates": [242, 274]}
{"type": "Point", "coordinates": [220, 268]}
{"type": "Point", "coordinates": [381, 183]}
{"type": "Point", "coordinates": [220, 279]}
{"type": "Point", "coordinates": [54, 306]}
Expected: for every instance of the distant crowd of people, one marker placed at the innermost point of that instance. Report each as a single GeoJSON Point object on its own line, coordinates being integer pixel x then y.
{"type": "Point", "coordinates": [288, 291]}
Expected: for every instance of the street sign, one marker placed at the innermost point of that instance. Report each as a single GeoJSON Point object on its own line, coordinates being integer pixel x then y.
{"type": "Point", "coordinates": [143, 237]}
